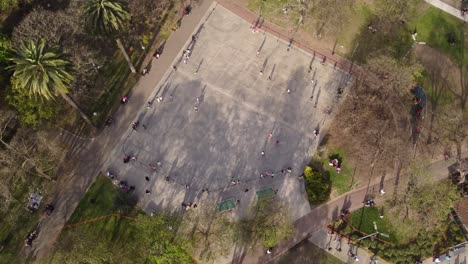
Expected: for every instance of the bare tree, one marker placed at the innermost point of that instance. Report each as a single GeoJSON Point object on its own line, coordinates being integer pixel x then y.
{"type": "Point", "coordinates": [27, 151]}
{"type": "Point", "coordinates": [209, 231]}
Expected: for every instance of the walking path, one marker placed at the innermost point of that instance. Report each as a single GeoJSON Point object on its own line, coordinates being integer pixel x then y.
{"type": "Point", "coordinates": [447, 8]}
{"type": "Point", "coordinates": [311, 226]}
{"type": "Point", "coordinates": [86, 162]}
{"type": "Point", "coordinates": [291, 37]}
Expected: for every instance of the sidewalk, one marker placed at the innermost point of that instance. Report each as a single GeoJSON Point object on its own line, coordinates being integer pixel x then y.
{"type": "Point", "coordinates": [447, 8]}
{"type": "Point", "coordinates": [325, 241]}
{"type": "Point", "coordinates": [313, 224]}
{"type": "Point", "coordinates": [86, 162]}
{"type": "Point", "coordinates": [288, 36]}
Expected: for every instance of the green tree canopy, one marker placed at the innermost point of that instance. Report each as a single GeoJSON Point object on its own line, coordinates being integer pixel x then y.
{"type": "Point", "coordinates": [105, 17]}
{"type": "Point", "coordinates": [31, 111]}
{"type": "Point", "coordinates": [6, 5]}
{"type": "Point", "coordinates": [40, 70]}
{"type": "Point", "coordinates": [269, 222]}
{"type": "Point", "coordinates": [317, 185]}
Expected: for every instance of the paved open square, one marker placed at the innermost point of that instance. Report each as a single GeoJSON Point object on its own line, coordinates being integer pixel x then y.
{"type": "Point", "coordinates": [237, 106]}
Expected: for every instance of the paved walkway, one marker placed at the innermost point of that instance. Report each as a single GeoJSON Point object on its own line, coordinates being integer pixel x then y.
{"type": "Point", "coordinates": [312, 225]}
{"type": "Point", "coordinates": [290, 36]}
{"type": "Point", "coordinates": [447, 8]}
{"type": "Point", "coordinates": [87, 160]}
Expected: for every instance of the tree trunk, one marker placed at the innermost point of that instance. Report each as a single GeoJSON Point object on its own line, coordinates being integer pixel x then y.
{"type": "Point", "coordinates": [77, 108]}
{"type": "Point", "coordinates": [124, 53]}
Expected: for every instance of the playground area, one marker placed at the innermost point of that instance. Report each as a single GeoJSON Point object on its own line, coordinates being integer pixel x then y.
{"type": "Point", "coordinates": [232, 120]}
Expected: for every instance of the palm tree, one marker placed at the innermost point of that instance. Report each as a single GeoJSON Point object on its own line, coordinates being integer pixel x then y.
{"type": "Point", "coordinates": [105, 17]}
{"type": "Point", "coordinates": [41, 71]}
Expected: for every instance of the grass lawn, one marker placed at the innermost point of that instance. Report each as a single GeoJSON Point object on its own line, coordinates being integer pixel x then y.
{"type": "Point", "coordinates": [360, 15]}
{"type": "Point", "coordinates": [16, 221]}
{"type": "Point", "coordinates": [407, 246]}
{"type": "Point", "coordinates": [140, 238]}
{"type": "Point", "coordinates": [103, 198]}
{"type": "Point", "coordinates": [341, 182]}
{"type": "Point", "coordinates": [273, 11]}
{"type": "Point", "coordinates": [445, 98]}
{"type": "Point", "coordinates": [117, 79]}
{"type": "Point", "coordinates": [434, 27]}
{"type": "Point", "coordinates": [363, 219]}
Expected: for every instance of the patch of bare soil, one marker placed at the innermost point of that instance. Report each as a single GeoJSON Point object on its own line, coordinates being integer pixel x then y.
{"type": "Point", "coordinates": [436, 62]}
{"type": "Point", "coordinates": [371, 127]}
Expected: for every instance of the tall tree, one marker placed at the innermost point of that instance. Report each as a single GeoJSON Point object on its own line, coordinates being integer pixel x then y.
{"type": "Point", "coordinates": [40, 70]}
{"type": "Point", "coordinates": [268, 222]}
{"type": "Point", "coordinates": [105, 17]}
{"type": "Point", "coordinates": [210, 233]}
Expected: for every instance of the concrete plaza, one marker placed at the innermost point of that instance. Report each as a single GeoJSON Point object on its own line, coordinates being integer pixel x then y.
{"type": "Point", "coordinates": [218, 108]}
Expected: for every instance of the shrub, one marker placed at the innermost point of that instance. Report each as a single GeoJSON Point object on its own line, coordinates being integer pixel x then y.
{"type": "Point", "coordinates": [317, 185]}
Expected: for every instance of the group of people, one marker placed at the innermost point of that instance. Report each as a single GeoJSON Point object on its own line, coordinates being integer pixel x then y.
{"type": "Point", "coordinates": [30, 238]}
{"type": "Point", "coordinates": [336, 164]}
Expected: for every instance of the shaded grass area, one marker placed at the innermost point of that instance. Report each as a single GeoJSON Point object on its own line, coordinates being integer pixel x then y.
{"type": "Point", "coordinates": [436, 27]}
{"type": "Point", "coordinates": [307, 252]}
{"type": "Point", "coordinates": [113, 232]}
{"type": "Point", "coordinates": [340, 182]}
{"type": "Point", "coordinates": [364, 218]}
{"type": "Point", "coordinates": [116, 78]}
{"type": "Point", "coordinates": [103, 198]}
{"type": "Point", "coordinates": [273, 11]}
{"type": "Point", "coordinates": [400, 247]}
{"type": "Point", "coordinates": [136, 238]}
{"type": "Point", "coordinates": [360, 14]}
{"type": "Point", "coordinates": [17, 221]}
